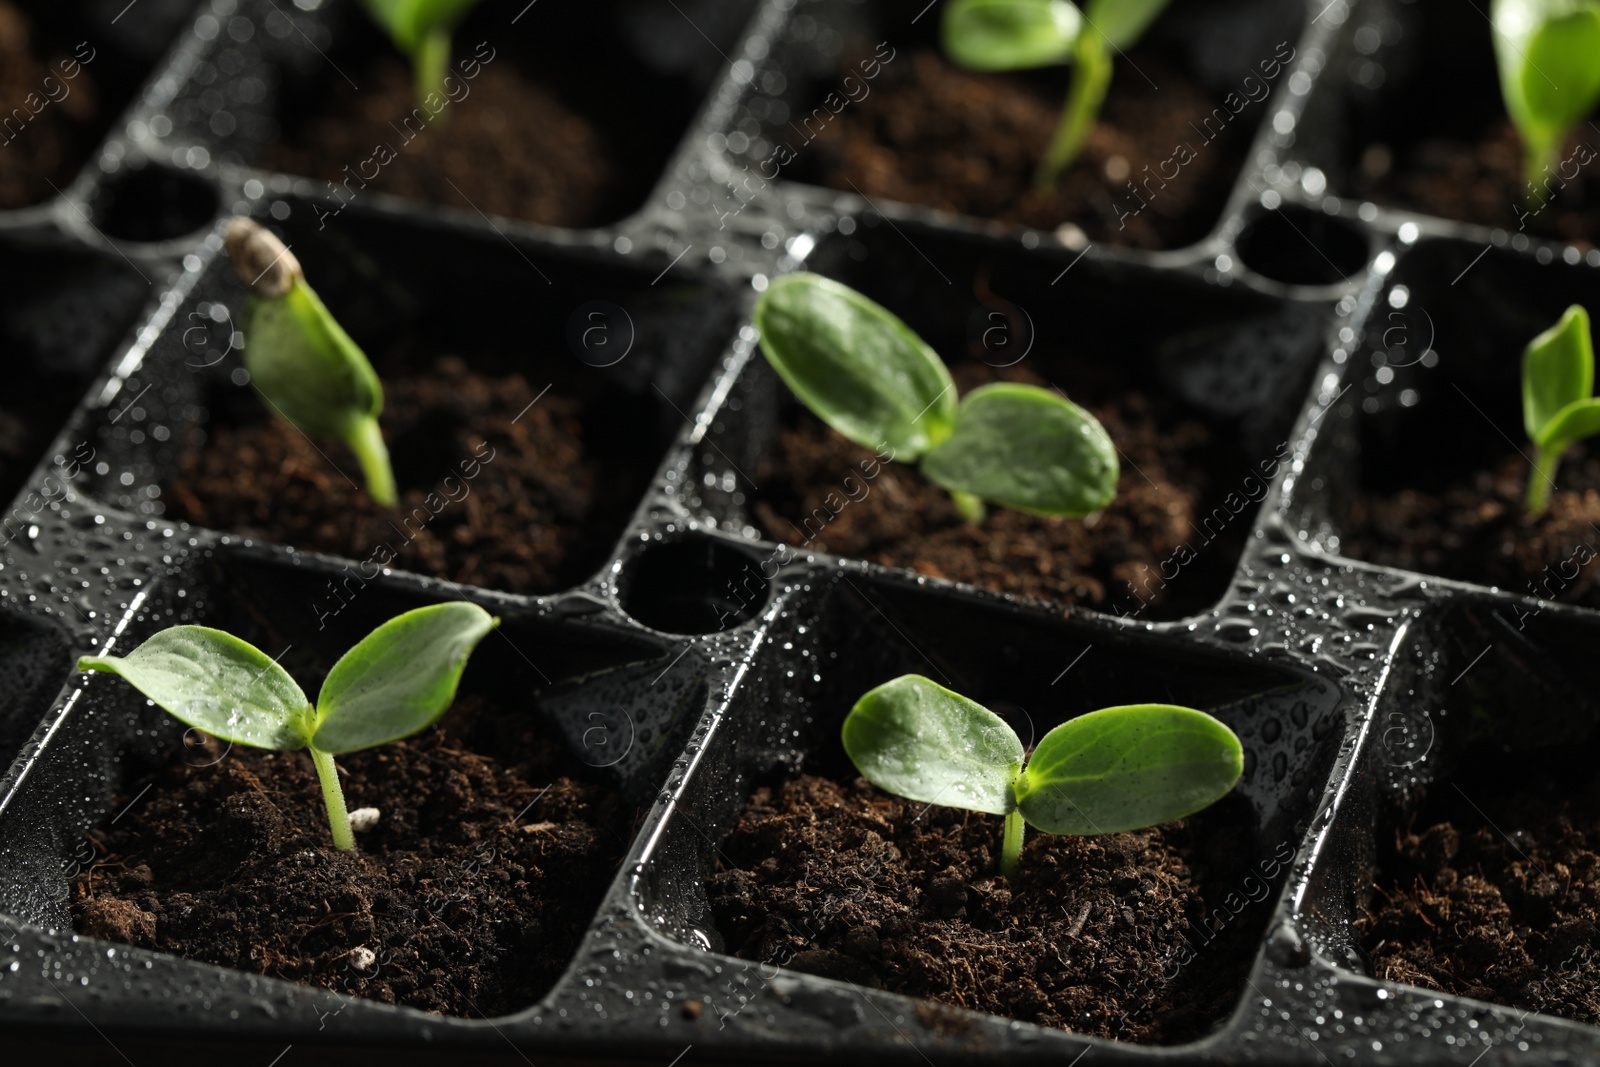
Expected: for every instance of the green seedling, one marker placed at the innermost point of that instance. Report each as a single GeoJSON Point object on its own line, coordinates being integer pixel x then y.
{"type": "Point", "coordinates": [868, 376]}
{"type": "Point", "coordinates": [396, 681]}
{"type": "Point", "coordinates": [421, 29]}
{"type": "Point", "coordinates": [1116, 769]}
{"type": "Point", "coordinates": [301, 361]}
{"type": "Point", "coordinates": [1558, 405]}
{"type": "Point", "coordinates": [1001, 35]}
{"type": "Point", "coordinates": [1548, 52]}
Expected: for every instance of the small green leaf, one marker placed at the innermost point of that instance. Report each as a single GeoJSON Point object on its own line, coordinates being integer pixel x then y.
{"type": "Point", "coordinates": [306, 366]}
{"type": "Point", "coordinates": [1027, 448]}
{"type": "Point", "coordinates": [1009, 34]}
{"type": "Point", "coordinates": [1128, 767]}
{"type": "Point", "coordinates": [1557, 370]}
{"type": "Point", "coordinates": [410, 21]}
{"type": "Point", "coordinates": [1548, 53]}
{"type": "Point", "coordinates": [1571, 424]}
{"type": "Point", "coordinates": [1122, 22]}
{"type": "Point", "coordinates": [857, 367]}
{"type": "Point", "coordinates": [400, 678]}
{"type": "Point", "coordinates": [310, 372]}
{"type": "Point", "coordinates": [217, 683]}
{"type": "Point", "coordinates": [917, 739]}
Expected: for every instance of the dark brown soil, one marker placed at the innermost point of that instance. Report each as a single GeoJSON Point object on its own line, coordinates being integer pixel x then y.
{"type": "Point", "coordinates": [493, 492]}
{"type": "Point", "coordinates": [491, 854]}
{"type": "Point", "coordinates": [1494, 897]}
{"type": "Point", "coordinates": [1475, 530]}
{"type": "Point", "coordinates": [510, 147]}
{"type": "Point", "coordinates": [43, 154]}
{"type": "Point", "coordinates": [1482, 181]}
{"type": "Point", "coordinates": [1174, 471]}
{"type": "Point", "coordinates": [845, 881]}
{"type": "Point", "coordinates": [932, 134]}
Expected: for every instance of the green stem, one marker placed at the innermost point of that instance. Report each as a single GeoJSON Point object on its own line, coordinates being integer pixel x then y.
{"type": "Point", "coordinates": [1091, 76]}
{"type": "Point", "coordinates": [1536, 156]}
{"type": "Point", "coordinates": [970, 506]}
{"type": "Point", "coordinates": [1011, 848]}
{"type": "Point", "coordinates": [366, 440]}
{"type": "Point", "coordinates": [430, 63]}
{"type": "Point", "coordinates": [333, 794]}
{"type": "Point", "coordinates": [1539, 479]}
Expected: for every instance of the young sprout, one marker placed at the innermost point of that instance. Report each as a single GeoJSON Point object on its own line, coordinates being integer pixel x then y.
{"type": "Point", "coordinates": [1548, 52]}
{"type": "Point", "coordinates": [1558, 408]}
{"type": "Point", "coordinates": [421, 29]}
{"type": "Point", "coordinates": [300, 359]}
{"type": "Point", "coordinates": [396, 681]}
{"type": "Point", "coordinates": [1116, 769]}
{"type": "Point", "coordinates": [996, 35]}
{"type": "Point", "coordinates": [866, 374]}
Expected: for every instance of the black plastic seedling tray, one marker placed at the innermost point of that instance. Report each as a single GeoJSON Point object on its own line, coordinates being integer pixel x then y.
{"type": "Point", "coordinates": [712, 659]}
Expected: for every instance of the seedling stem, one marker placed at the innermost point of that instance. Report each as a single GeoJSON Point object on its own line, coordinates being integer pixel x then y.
{"type": "Point", "coordinates": [333, 795]}
{"type": "Point", "coordinates": [970, 506]}
{"type": "Point", "coordinates": [1538, 497]}
{"type": "Point", "coordinates": [431, 63]}
{"type": "Point", "coordinates": [1091, 77]}
{"type": "Point", "coordinates": [421, 29]}
{"type": "Point", "coordinates": [1537, 159]}
{"type": "Point", "coordinates": [1011, 845]}
{"type": "Point", "coordinates": [366, 441]}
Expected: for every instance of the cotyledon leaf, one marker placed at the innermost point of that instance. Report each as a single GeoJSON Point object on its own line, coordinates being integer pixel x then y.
{"type": "Point", "coordinates": [855, 365]}
{"type": "Point", "coordinates": [217, 683]}
{"type": "Point", "coordinates": [917, 739]}
{"type": "Point", "coordinates": [399, 678]}
{"type": "Point", "coordinates": [1128, 767]}
{"type": "Point", "coordinates": [993, 35]}
{"type": "Point", "coordinates": [1026, 448]}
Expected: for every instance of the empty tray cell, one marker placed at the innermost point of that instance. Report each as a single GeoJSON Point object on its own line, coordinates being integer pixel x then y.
{"type": "Point", "coordinates": [520, 453]}
{"type": "Point", "coordinates": [496, 832]}
{"type": "Point", "coordinates": [1425, 461]}
{"type": "Point", "coordinates": [1145, 936]}
{"type": "Point", "coordinates": [1197, 400]}
{"type": "Point", "coordinates": [1487, 840]}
